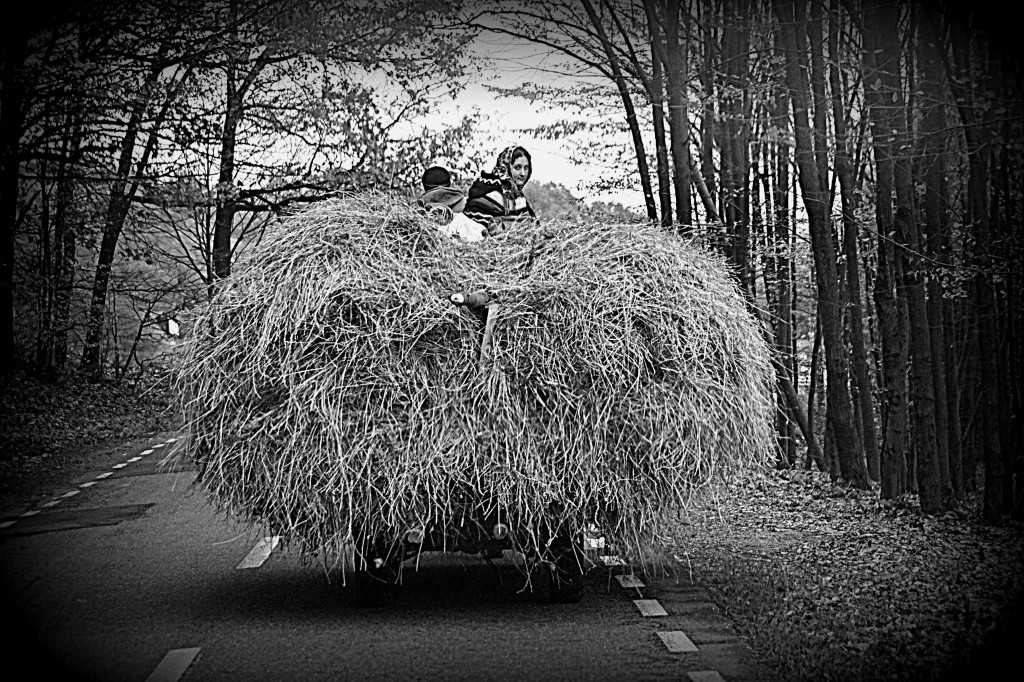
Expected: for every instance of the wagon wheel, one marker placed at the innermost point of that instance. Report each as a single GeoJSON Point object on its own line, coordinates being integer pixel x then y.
{"type": "Point", "coordinates": [370, 583]}
{"type": "Point", "coordinates": [559, 579]}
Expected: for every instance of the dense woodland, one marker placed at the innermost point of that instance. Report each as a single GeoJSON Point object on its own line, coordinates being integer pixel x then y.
{"type": "Point", "coordinates": [858, 162]}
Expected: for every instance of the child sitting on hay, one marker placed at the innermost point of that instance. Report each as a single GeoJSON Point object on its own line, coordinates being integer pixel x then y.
{"type": "Point", "coordinates": [444, 203]}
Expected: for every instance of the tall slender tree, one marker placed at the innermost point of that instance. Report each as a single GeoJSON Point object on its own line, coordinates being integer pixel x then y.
{"type": "Point", "coordinates": [791, 24]}
{"type": "Point", "coordinates": [844, 171]}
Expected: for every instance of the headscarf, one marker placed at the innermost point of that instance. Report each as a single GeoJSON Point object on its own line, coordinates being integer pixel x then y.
{"type": "Point", "coordinates": [503, 169]}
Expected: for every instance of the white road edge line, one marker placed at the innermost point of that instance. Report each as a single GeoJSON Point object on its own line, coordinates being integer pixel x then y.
{"type": "Point", "coordinates": [260, 553]}
{"type": "Point", "coordinates": [650, 608]}
{"type": "Point", "coordinates": [678, 643]}
{"type": "Point", "coordinates": [173, 665]}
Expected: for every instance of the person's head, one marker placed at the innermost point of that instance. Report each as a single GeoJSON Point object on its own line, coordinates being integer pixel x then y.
{"type": "Point", "coordinates": [515, 164]}
{"type": "Point", "coordinates": [436, 176]}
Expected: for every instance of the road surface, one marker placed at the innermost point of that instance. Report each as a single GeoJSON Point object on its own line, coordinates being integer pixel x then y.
{"type": "Point", "coordinates": [130, 574]}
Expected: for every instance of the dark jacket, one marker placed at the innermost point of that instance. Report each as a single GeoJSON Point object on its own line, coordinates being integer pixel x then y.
{"type": "Point", "coordinates": [492, 197]}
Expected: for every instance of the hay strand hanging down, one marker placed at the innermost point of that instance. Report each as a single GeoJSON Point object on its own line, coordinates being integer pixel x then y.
{"type": "Point", "coordinates": [333, 389]}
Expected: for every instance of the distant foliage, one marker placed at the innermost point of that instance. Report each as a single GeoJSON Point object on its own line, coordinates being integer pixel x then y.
{"type": "Point", "coordinates": [553, 201]}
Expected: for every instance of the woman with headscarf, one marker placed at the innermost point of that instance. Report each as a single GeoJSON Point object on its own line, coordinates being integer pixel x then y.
{"type": "Point", "coordinates": [499, 194]}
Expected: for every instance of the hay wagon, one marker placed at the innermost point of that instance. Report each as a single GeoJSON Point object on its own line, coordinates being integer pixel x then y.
{"type": "Point", "coordinates": [371, 389]}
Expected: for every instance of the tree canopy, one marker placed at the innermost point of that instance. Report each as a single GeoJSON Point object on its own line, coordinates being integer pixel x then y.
{"type": "Point", "coordinates": [857, 162]}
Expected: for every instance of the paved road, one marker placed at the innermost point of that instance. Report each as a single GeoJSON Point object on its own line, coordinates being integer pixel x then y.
{"type": "Point", "coordinates": [131, 575]}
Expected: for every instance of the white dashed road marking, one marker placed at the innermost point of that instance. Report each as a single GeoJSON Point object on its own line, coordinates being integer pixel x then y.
{"type": "Point", "coordinates": [675, 641]}
{"type": "Point", "coordinates": [650, 608]}
{"type": "Point", "coordinates": [629, 580]}
{"type": "Point", "coordinates": [705, 676]}
{"type": "Point", "coordinates": [173, 665]}
{"type": "Point", "coordinates": [82, 486]}
{"type": "Point", "coordinates": [260, 553]}
{"type": "Point", "coordinates": [678, 643]}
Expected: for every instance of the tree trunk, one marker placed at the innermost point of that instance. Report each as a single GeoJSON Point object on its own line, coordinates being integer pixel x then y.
{"type": "Point", "coordinates": [11, 123]}
{"type": "Point", "coordinates": [959, 473]}
{"type": "Point", "coordinates": [118, 204]}
{"type": "Point", "coordinates": [123, 190]}
{"type": "Point", "coordinates": [922, 384]}
{"type": "Point", "coordinates": [707, 120]}
{"type": "Point", "coordinates": [806, 428]}
{"type": "Point", "coordinates": [815, 197]}
{"type": "Point", "coordinates": [862, 380]}
{"type": "Point", "coordinates": [734, 144]}
{"type": "Point", "coordinates": [881, 22]}
{"type": "Point", "coordinates": [978, 151]}
{"type": "Point", "coordinates": [234, 106]}
{"type": "Point", "coordinates": [1016, 357]}
{"type": "Point", "coordinates": [813, 382]}
{"type": "Point", "coordinates": [658, 117]}
{"type": "Point", "coordinates": [933, 124]}
{"type": "Point", "coordinates": [891, 322]}
{"type": "Point", "coordinates": [1004, 370]}
{"type": "Point", "coordinates": [970, 391]}
{"type": "Point", "coordinates": [44, 306]}
{"type": "Point", "coordinates": [224, 221]}
{"type": "Point", "coordinates": [781, 250]}
{"type": "Point", "coordinates": [58, 264]}
{"type": "Point", "coordinates": [677, 49]}
{"type": "Point", "coordinates": [627, 103]}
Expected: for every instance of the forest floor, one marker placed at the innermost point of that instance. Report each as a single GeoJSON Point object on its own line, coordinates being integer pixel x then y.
{"type": "Point", "coordinates": [52, 432]}
{"type": "Point", "coordinates": [832, 583]}
{"type": "Point", "coordinates": [826, 582]}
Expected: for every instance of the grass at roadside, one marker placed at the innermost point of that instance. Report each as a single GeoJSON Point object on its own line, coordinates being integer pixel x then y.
{"type": "Point", "coordinates": [51, 431]}
{"type": "Point", "coordinates": [834, 584]}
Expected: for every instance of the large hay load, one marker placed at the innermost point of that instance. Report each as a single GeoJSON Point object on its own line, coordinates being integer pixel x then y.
{"type": "Point", "coordinates": [334, 394]}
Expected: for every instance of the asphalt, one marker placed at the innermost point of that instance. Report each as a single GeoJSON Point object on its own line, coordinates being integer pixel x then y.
{"type": "Point", "coordinates": [131, 574]}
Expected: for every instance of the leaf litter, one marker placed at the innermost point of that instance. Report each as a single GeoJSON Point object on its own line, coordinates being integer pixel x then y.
{"type": "Point", "coordinates": [838, 584]}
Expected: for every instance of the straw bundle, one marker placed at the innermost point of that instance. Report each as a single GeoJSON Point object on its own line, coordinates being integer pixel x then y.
{"type": "Point", "coordinates": [331, 389]}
